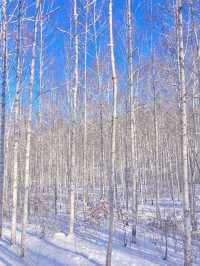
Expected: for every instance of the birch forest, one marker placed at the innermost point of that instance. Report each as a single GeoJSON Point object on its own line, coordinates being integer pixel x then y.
{"type": "Point", "coordinates": [100, 132]}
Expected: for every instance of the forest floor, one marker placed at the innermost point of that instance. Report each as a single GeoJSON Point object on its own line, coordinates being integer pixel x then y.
{"type": "Point", "coordinates": [88, 247]}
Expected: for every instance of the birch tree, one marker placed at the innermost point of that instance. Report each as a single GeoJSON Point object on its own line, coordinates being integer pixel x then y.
{"type": "Point", "coordinates": [113, 137]}
{"type": "Point", "coordinates": [16, 126]}
{"type": "Point", "coordinates": [132, 121]}
{"type": "Point", "coordinates": [184, 141]}
{"type": "Point", "coordinates": [29, 128]}
{"type": "Point", "coordinates": [71, 201]}
{"type": "Point", "coordinates": [2, 106]}
{"type": "Point", "coordinates": [85, 111]}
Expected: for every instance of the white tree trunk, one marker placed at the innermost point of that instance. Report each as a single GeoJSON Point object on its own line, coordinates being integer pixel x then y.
{"type": "Point", "coordinates": [29, 128]}
{"type": "Point", "coordinates": [132, 122]}
{"type": "Point", "coordinates": [73, 131]}
{"type": "Point", "coordinates": [2, 108]}
{"type": "Point", "coordinates": [16, 128]}
{"type": "Point", "coordinates": [85, 113]}
{"type": "Point", "coordinates": [184, 134]}
{"type": "Point", "coordinates": [113, 139]}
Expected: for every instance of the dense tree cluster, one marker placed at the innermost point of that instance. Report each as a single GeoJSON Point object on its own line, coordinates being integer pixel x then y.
{"type": "Point", "coordinates": [111, 127]}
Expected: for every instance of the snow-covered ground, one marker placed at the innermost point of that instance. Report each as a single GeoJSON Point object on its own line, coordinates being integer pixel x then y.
{"type": "Point", "coordinates": [84, 249]}
{"type": "Point", "coordinates": [87, 247]}
{"type": "Point", "coordinates": [48, 246]}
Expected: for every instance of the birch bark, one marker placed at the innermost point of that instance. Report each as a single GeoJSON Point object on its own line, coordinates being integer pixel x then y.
{"type": "Point", "coordinates": [184, 135]}
{"type": "Point", "coordinates": [2, 106]}
{"type": "Point", "coordinates": [113, 138]}
{"type": "Point", "coordinates": [28, 137]}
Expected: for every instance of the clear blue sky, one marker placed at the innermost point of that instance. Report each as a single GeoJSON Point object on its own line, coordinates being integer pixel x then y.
{"type": "Point", "coordinates": [61, 19]}
{"type": "Point", "coordinates": [56, 40]}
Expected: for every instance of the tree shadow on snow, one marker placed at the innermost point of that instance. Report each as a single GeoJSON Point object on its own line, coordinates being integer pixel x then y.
{"type": "Point", "coordinates": [11, 255]}
{"type": "Point", "coordinates": [58, 248]}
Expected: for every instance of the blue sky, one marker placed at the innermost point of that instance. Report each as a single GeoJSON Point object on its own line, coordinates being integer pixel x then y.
{"type": "Point", "coordinates": [61, 20]}
{"type": "Point", "coordinates": [56, 40]}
